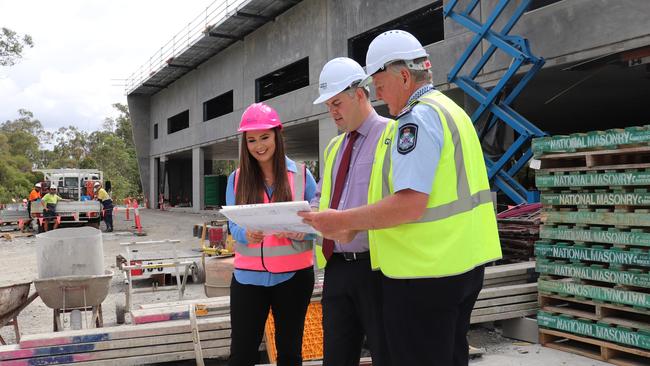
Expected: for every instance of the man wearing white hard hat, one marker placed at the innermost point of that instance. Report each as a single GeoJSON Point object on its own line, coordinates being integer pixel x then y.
{"type": "Point", "coordinates": [351, 291]}
{"type": "Point", "coordinates": [430, 216]}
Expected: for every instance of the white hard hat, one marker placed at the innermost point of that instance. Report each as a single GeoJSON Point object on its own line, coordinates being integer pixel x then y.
{"type": "Point", "coordinates": [37, 185]}
{"type": "Point", "coordinates": [391, 46]}
{"type": "Point", "coordinates": [97, 184]}
{"type": "Point", "coordinates": [337, 75]}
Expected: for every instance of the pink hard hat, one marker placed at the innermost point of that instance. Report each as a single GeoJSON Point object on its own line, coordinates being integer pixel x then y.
{"type": "Point", "coordinates": [259, 116]}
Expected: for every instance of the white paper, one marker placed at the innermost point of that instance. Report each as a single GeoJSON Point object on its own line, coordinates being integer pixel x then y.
{"type": "Point", "coordinates": [270, 218]}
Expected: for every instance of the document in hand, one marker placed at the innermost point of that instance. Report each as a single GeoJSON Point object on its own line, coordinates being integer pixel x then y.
{"type": "Point", "coordinates": [270, 217]}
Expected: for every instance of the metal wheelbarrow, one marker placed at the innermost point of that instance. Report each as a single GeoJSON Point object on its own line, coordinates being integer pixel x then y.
{"type": "Point", "coordinates": [68, 293]}
{"type": "Point", "coordinates": [13, 299]}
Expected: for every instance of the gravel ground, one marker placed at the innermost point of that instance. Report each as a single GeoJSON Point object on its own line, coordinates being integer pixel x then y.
{"type": "Point", "coordinates": [18, 263]}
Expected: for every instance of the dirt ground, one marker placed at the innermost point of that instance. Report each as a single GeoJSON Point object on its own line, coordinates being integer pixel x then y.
{"type": "Point", "coordinates": [18, 264]}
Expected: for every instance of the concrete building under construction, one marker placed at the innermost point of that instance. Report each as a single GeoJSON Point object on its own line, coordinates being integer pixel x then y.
{"type": "Point", "coordinates": [186, 102]}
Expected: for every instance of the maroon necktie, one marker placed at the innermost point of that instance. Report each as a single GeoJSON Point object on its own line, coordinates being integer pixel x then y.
{"type": "Point", "coordinates": [344, 166]}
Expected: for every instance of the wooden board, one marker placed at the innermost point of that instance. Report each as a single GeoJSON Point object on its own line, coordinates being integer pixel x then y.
{"type": "Point", "coordinates": [593, 348]}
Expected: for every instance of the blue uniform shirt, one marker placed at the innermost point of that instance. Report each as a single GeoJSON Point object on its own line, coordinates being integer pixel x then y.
{"type": "Point", "coordinates": [417, 150]}
{"type": "Point", "coordinates": [239, 233]}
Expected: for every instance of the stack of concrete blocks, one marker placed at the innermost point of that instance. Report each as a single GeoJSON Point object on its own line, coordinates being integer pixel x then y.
{"type": "Point", "coordinates": [593, 255]}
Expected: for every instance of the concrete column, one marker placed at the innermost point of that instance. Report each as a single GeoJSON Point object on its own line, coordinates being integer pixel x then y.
{"type": "Point", "coordinates": [198, 199]}
{"type": "Point", "coordinates": [153, 182]}
{"type": "Point", "coordinates": [326, 131]}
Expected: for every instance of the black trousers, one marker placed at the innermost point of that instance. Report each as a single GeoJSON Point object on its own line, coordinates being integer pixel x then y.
{"type": "Point", "coordinates": [108, 213]}
{"type": "Point", "coordinates": [351, 309]}
{"type": "Point", "coordinates": [249, 308]}
{"type": "Point", "coordinates": [427, 319]}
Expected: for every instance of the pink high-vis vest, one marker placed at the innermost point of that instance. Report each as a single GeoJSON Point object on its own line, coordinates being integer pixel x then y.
{"type": "Point", "coordinates": [273, 254]}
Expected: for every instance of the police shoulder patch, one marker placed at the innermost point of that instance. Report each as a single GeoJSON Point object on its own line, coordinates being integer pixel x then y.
{"type": "Point", "coordinates": [407, 138]}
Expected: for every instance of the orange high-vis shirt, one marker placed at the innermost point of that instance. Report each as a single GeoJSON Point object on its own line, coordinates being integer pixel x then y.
{"type": "Point", "coordinates": [34, 195]}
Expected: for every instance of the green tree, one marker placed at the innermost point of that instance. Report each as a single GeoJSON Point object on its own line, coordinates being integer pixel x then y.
{"type": "Point", "coordinates": [12, 46]}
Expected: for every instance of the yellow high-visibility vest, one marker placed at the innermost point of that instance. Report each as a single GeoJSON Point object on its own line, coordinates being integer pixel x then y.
{"type": "Point", "coordinates": [326, 190]}
{"type": "Point", "coordinates": [458, 230]}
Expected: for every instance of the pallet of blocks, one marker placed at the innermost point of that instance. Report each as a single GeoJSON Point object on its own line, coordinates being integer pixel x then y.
{"type": "Point", "coordinates": [518, 232]}
{"type": "Point", "coordinates": [594, 249]}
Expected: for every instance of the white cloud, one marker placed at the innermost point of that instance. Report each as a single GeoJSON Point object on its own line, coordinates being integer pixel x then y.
{"type": "Point", "coordinates": [79, 47]}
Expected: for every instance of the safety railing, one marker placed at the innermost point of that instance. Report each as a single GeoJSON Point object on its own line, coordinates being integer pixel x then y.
{"type": "Point", "coordinates": [213, 15]}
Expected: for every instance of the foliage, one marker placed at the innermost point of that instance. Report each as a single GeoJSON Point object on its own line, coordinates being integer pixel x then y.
{"type": "Point", "coordinates": [12, 46]}
{"type": "Point", "coordinates": [111, 150]}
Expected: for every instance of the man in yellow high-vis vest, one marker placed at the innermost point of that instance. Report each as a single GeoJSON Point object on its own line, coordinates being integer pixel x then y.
{"type": "Point", "coordinates": [430, 216]}
{"type": "Point", "coordinates": [351, 289]}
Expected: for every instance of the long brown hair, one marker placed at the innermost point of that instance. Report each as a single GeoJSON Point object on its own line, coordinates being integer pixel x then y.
{"type": "Point", "coordinates": [250, 185]}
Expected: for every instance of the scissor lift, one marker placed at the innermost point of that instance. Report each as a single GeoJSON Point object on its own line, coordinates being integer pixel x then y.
{"type": "Point", "coordinates": [497, 101]}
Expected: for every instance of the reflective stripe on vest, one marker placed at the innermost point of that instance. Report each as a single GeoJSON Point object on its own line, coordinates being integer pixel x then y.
{"type": "Point", "coordinates": [452, 237]}
{"type": "Point", "coordinates": [326, 190]}
{"type": "Point", "coordinates": [273, 254]}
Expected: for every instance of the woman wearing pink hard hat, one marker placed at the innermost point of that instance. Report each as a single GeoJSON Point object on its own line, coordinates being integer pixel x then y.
{"type": "Point", "coordinates": [272, 272]}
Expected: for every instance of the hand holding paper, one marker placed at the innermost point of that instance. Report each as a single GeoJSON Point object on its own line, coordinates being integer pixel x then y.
{"type": "Point", "coordinates": [270, 218]}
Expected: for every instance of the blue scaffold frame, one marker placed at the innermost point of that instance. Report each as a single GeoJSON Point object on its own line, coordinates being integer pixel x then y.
{"type": "Point", "coordinates": [502, 171]}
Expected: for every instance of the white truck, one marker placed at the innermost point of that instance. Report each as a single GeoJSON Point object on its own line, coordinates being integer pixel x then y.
{"type": "Point", "coordinates": [75, 185]}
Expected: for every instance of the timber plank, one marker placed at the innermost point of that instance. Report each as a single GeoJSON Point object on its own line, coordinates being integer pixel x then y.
{"type": "Point", "coordinates": [217, 352]}
{"type": "Point", "coordinates": [505, 308]}
{"type": "Point", "coordinates": [501, 316]}
{"type": "Point", "coordinates": [507, 291]}
{"type": "Point", "coordinates": [111, 345]}
{"type": "Point", "coordinates": [121, 332]}
{"type": "Point", "coordinates": [112, 354]}
{"type": "Point", "coordinates": [593, 348]}
{"type": "Point", "coordinates": [504, 300]}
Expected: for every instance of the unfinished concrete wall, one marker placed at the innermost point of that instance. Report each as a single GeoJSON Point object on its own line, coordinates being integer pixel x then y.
{"type": "Point", "coordinates": [563, 32]}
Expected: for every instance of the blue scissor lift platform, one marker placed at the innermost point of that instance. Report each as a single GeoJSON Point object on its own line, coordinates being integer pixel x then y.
{"type": "Point", "coordinates": [497, 101]}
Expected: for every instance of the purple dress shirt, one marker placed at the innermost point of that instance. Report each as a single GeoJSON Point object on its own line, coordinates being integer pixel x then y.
{"type": "Point", "coordinates": [355, 191]}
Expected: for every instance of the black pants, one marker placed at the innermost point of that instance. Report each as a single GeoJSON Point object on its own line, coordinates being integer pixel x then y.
{"type": "Point", "coordinates": [108, 213]}
{"type": "Point", "coordinates": [249, 307]}
{"type": "Point", "coordinates": [351, 309]}
{"type": "Point", "coordinates": [427, 319]}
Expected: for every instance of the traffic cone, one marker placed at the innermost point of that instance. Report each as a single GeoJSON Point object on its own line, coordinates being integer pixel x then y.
{"type": "Point", "coordinates": [128, 204]}
{"type": "Point", "coordinates": [138, 225]}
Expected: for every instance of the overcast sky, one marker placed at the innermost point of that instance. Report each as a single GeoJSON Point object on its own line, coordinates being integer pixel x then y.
{"type": "Point", "coordinates": [79, 47]}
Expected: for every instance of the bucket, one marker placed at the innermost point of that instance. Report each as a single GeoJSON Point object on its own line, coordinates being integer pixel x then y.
{"type": "Point", "coordinates": [216, 236]}
{"type": "Point", "coordinates": [218, 273]}
{"type": "Point", "coordinates": [70, 252]}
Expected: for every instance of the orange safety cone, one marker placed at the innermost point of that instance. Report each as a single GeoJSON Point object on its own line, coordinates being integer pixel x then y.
{"type": "Point", "coordinates": [128, 204]}
{"type": "Point", "coordinates": [138, 224]}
